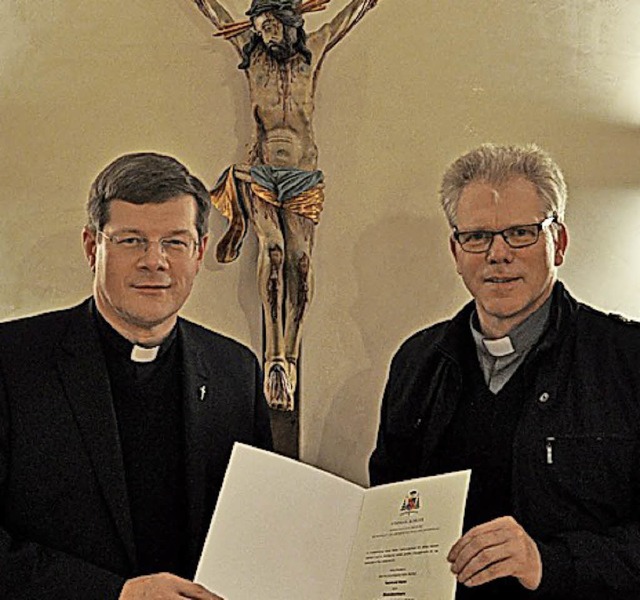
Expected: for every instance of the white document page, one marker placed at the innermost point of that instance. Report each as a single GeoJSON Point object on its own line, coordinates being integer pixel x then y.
{"type": "Point", "coordinates": [281, 530]}
{"type": "Point", "coordinates": [406, 531]}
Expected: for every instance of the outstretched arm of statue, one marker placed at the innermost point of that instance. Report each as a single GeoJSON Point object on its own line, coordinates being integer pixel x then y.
{"type": "Point", "coordinates": [333, 31]}
{"type": "Point", "coordinates": [221, 19]}
{"type": "Point", "coordinates": [215, 12]}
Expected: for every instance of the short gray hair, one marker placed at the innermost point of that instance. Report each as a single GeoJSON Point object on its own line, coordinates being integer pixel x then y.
{"type": "Point", "coordinates": [495, 164]}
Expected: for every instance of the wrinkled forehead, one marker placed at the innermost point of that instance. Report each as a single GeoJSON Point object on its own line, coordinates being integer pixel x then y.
{"type": "Point", "coordinates": [485, 204]}
{"type": "Point", "coordinates": [177, 213]}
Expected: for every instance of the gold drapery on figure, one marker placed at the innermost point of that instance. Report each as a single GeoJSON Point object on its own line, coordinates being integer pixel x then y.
{"type": "Point", "coordinates": [231, 196]}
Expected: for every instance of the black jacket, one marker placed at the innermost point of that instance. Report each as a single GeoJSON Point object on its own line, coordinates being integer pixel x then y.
{"type": "Point", "coordinates": [576, 473]}
{"type": "Point", "coordinates": [65, 524]}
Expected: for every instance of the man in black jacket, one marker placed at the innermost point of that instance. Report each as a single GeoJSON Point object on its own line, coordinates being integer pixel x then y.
{"type": "Point", "coordinates": [117, 417]}
{"type": "Point", "coordinates": [535, 392]}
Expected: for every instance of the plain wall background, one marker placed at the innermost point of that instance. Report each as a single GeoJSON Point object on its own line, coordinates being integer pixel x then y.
{"type": "Point", "coordinates": [414, 85]}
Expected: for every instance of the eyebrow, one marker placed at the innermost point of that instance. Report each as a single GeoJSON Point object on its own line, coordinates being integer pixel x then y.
{"type": "Point", "coordinates": [495, 230]}
{"type": "Point", "coordinates": [480, 228]}
{"type": "Point", "coordinates": [142, 233]}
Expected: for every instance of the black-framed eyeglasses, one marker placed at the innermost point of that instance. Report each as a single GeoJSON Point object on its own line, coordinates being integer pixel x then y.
{"type": "Point", "coordinates": [517, 236]}
{"type": "Point", "coordinates": [174, 246]}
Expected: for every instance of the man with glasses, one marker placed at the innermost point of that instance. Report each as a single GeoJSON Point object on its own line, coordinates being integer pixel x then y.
{"type": "Point", "coordinates": [535, 392]}
{"type": "Point", "coordinates": [117, 417]}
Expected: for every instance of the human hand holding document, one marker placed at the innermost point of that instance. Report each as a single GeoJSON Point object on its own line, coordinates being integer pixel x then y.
{"type": "Point", "coordinates": [283, 530]}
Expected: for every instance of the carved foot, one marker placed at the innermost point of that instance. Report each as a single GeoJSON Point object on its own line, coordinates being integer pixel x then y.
{"type": "Point", "coordinates": [277, 387]}
{"type": "Point", "coordinates": [292, 373]}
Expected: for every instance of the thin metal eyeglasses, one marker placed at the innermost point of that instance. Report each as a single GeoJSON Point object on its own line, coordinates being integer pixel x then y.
{"type": "Point", "coordinates": [175, 246]}
{"type": "Point", "coordinates": [517, 236]}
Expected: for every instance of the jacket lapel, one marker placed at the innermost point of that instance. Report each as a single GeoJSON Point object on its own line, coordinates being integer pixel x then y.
{"type": "Point", "coordinates": [83, 371]}
{"type": "Point", "coordinates": [208, 426]}
{"type": "Point", "coordinates": [197, 399]}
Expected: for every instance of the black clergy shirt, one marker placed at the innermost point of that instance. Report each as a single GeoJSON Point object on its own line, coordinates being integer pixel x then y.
{"type": "Point", "coordinates": [147, 399]}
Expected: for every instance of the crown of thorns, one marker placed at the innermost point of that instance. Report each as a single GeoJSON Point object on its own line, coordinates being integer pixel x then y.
{"type": "Point", "coordinates": [261, 6]}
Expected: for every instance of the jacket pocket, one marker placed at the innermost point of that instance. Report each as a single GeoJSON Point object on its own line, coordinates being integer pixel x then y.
{"type": "Point", "coordinates": [595, 471]}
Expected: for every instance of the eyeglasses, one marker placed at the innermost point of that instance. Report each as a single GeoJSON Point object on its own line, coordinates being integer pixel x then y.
{"type": "Point", "coordinates": [175, 246]}
{"type": "Point", "coordinates": [518, 236]}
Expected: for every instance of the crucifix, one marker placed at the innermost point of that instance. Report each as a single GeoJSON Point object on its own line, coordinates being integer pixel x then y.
{"type": "Point", "coordinates": [279, 189]}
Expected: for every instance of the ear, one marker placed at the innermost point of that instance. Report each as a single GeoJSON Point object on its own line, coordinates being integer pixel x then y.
{"type": "Point", "coordinates": [561, 242]}
{"type": "Point", "coordinates": [89, 244]}
{"type": "Point", "coordinates": [454, 248]}
{"type": "Point", "coordinates": [202, 250]}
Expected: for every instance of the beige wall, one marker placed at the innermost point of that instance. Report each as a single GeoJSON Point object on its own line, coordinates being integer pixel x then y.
{"type": "Point", "coordinates": [415, 85]}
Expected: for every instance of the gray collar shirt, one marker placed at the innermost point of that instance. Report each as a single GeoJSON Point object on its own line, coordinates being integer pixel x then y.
{"type": "Point", "coordinates": [499, 359]}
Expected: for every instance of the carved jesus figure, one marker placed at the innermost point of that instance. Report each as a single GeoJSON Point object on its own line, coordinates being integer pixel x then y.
{"type": "Point", "coordinates": [279, 190]}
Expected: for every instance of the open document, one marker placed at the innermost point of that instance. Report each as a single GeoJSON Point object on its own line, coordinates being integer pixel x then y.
{"type": "Point", "coordinates": [283, 530]}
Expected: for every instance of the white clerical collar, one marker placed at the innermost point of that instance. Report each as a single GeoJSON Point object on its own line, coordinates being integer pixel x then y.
{"type": "Point", "coordinates": [140, 354]}
{"type": "Point", "coordinates": [520, 339]}
{"type": "Point", "coordinates": [500, 347]}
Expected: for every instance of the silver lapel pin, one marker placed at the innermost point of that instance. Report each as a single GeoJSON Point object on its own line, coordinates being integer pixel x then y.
{"type": "Point", "coordinates": [203, 391]}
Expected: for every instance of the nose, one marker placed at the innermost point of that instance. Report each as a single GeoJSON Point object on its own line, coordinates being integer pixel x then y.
{"type": "Point", "coordinates": [500, 251]}
{"type": "Point", "coordinates": [154, 257]}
